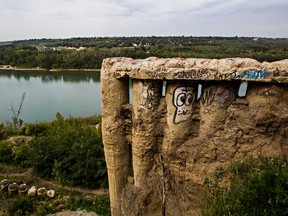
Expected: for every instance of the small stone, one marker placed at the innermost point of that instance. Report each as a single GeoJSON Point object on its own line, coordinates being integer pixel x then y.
{"type": "Point", "coordinates": [22, 189]}
{"type": "Point", "coordinates": [13, 187]}
{"type": "Point", "coordinates": [60, 207]}
{"type": "Point", "coordinates": [4, 184]}
{"type": "Point", "coordinates": [41, 191]}
{"type": "Point", "coordinates": [51, 193]}
{"type": "Point", "coordinates": [32, 191]}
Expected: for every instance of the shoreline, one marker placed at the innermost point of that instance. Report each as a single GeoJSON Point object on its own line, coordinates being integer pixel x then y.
{"type": "Point", "coordinates": [10, 68]}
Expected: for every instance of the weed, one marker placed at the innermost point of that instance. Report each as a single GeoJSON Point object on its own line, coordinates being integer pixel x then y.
{"type": "Point", "coordinates": [16, 121]}
{"type": "Point", "coordinates": [257, 187]}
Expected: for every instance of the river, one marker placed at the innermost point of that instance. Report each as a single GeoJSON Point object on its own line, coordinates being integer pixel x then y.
{"type": "Point", "coordinates": [46, 93]}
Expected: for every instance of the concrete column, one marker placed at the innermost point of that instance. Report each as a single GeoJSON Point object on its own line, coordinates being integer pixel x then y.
{"type": "Point", "coordinates": [215, 99]}
{"type": "Point", "coordinates": [180, 100]}
{"type": "Point", "coordinates": [115, 93]}
{"type": "Point", "coordinates": [146, 99]}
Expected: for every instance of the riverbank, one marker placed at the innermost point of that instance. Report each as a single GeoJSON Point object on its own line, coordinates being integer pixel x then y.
{"type": "Point", "coordinates": [9, 67]}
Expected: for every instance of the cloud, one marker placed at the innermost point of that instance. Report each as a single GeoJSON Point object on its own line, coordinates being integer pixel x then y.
{"type": "Point", "coordinates": [68, 18]}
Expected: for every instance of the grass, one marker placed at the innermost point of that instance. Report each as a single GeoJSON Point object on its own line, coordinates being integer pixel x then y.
{"type": "Point", "coordinates": [7, 168]}
{"type": "Point", "coordinates": [257, 187]}
{"type": "Point", "coordinates": [15, 165]}
{"type": "Point", "coordinates": [67, 198]}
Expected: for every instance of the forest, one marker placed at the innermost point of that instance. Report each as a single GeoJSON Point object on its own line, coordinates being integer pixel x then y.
{"type": "Point", "coordinates": [88, 53]}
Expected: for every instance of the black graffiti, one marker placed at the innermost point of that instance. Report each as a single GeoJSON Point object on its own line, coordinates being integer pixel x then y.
{"type": "Point", "coordinates": [150, 95]}
{"type": "Point", "coordinates": [208, 96]}
{"type": "Point", "coordinates": [184, 99]}
{"type": "Point", "coordinates": [279, 73]}
{"type": "Point", "coordinates": [204, 73]}
{"type": "Point", "coordinates": [219, 76]}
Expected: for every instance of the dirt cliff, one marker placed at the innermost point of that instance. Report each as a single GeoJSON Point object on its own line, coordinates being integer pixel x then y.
{"type": "Point", "coordinates": [162, 146]}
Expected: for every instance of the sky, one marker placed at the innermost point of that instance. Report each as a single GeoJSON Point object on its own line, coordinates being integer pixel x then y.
{"type": "Point", "coordinates": [34, 19]}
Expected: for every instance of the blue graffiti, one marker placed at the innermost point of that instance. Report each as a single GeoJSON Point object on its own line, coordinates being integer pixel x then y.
{"type": "Point", "coordinates": [254, 74]}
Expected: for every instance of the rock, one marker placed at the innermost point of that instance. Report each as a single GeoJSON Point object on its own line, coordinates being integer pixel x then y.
{"type": "Point", "coordinates": [4, 184]}
{"type": "Point", "coordinates": [60, 207]}
{"type": "Point", "coordinates": [32, 191]}
{"type": "Point", "coordinates": [12, 188]}
{"type": "Point", "coordinates": [195, 135]}
{"type": "Point", "coordinates": [51, 193]}
{"type": "Point", "coordinates": [74, 213]}
{"type": "Point", "coordinates": [41, 191]}
{"type": "Point", "coordinates": [22, 189]}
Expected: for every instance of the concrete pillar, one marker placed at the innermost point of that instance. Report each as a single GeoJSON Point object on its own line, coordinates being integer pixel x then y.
{"type": "Point", "coordinates": [180, 100]}
{"type": "Point", "coordinates": [115, 93]}
{"type": "Point", "coordinates": [215, 99]}
{"type": "Point", "coordinates": [146, 97]}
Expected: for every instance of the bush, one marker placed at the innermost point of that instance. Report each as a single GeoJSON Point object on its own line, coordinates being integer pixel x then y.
{"type": "Point", "coordinates": [257, 187]}
{"type": "Point", "coordinates": [23, 205]}
{"type": "Point", "coordinates": [6, 152]}
{"type": "Point", "coordinates": [99, 204]}
{"type": "Point", "coordinates": [3, 134]}
{"type": "Point", "coordinates": [20, 155]}
{"type": "Point", "coordinates": [70, 152]}
{"type": "Point", "coordinates": [35, 129]}
{"type": "Point", "coordinates": [14, 154]}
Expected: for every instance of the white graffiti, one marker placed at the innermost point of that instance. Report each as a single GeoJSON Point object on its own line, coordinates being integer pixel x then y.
{"type": "Point", "coordinates": [183, 100]}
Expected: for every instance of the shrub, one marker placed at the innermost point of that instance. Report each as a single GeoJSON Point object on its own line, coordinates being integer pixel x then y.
{"type": "Point", "coordinates": [257, 187]}
{"type": "Point", "coordinates": [35, 129]}
{"type": "Point", "coordinates": [20, 155]}
{"type": "Point", "coordinates": [6, 152]}
{"type": "Point", "coordinates": [99, 204]}
{"type": "Point", "coordinates": [23, 205]}
{"type": "Point", "coordinates": [70, 152]}
{"type": "Point", "coordinates": [3, 134]}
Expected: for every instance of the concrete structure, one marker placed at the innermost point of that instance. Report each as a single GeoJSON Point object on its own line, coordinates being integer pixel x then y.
{"type": "Point", "coordinates": [187, 117]}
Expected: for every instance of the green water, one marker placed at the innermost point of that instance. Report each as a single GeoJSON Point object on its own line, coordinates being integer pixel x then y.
{"type": "Point", "coordinates": [70, 93]}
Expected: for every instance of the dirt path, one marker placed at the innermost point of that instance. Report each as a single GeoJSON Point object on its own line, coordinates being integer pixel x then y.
{"type": "Point", "coordinates": [30, 178]}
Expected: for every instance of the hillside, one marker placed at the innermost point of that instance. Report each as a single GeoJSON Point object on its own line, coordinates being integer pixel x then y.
{"type": "Point", "coordinates": [88, 53]}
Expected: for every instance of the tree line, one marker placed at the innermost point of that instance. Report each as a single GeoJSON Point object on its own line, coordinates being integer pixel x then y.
{"type": "Point", "coordinates": [26, 53]}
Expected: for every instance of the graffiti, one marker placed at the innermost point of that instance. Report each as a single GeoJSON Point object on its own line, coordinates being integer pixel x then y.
{"type": "Point", "coordinates": [220, 76]}
{"type": "Point", "coordinates": [224, 96]}
{"type": "Point", "coordinates": [150, 95]}
{"type": "Point", "coordinates": [254, 74]}
{"type": "Point", "coordinates": [208, 96]}
{"type": "Point", "coordinates": [119, 59]}
{"type": "Point", "coordinates": [191, 74]}
{"type": "Point", "coordinates": [248, 74]}
{"type": "Point", "coordinates": [206, 61]}
{"type": "Point", "coordinates": [278, 73]}
{"type": "Point", "coordinates": [183, 100]}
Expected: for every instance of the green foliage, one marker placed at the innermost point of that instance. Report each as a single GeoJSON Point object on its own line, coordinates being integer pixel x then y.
{"type": "Point", "coordinates": [14, 154]}
{"type": "Point", "coordinates": [35, 129]}
{"type": "Point", "coordinates": [70, 152]}
{"type": "Point", "coordinates": [3, 133]}
{"type": "Point", "coordinates": [24, 205]}
{"type": "Point", "coordinates": [67, 150]}
{"type": "Point", "coordinates": [25, 53]}
{"type": "Point", "coordinates": [20, 155]}
{"type": "Point", "coordinates": [257, 187]}
{"type": "Point", "coordinates": [6, 152]}
{"type": "Point", "coordinates": [9, 130]}
{"type": "Point", "coordinates": [99, 204]}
